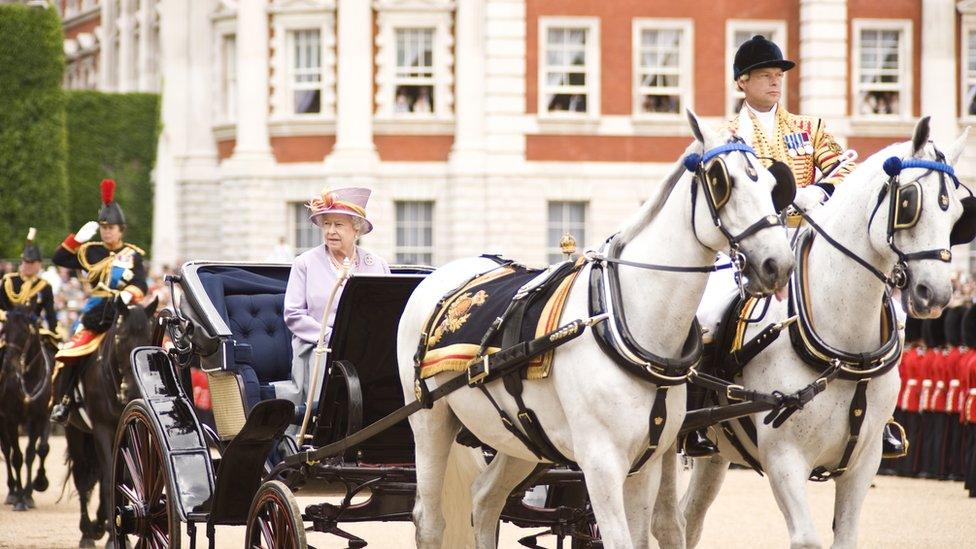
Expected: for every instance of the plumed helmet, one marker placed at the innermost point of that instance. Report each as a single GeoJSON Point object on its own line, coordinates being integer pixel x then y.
{"type": "Point", "coordinates": [110, 213]}
{"type": "Point", "coordinates": [31, 251]}
{"type": "Point", "coordinates": [758, 53]}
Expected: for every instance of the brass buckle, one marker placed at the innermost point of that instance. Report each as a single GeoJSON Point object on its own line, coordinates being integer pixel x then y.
{"type": "Point", "coordinates": [479, 377]}
{"type": "Point", "coordinates": [733, 387]}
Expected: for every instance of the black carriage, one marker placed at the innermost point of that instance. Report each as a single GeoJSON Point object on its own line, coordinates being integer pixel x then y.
{"type": "Point", "coordinates": [171, 467]}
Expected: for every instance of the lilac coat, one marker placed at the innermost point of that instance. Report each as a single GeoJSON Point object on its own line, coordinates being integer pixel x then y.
{"type": "Point", "coordinates": [309, 284]}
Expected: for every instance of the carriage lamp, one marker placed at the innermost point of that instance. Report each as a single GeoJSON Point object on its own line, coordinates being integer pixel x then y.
{"type": "Point", "coordinates": [567, 244]}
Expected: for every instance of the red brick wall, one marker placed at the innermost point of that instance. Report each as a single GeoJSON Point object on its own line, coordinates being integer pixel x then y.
{"type": "Point", "coordinates": [305, 148]}
{"type": "Point", "coordinates": [616, 74]}
{"type": "Point", "coordinates": [417, 148]}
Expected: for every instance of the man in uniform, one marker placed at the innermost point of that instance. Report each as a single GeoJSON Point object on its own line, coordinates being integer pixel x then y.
{"type": "Point", "coordinates": [26, 287]}
{"type": "Point", "coordinates": [116, 273]}
{"type": "Point", "coordinates": [802, 142]}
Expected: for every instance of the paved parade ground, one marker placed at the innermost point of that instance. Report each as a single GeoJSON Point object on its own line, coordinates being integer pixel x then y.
{"type": "Point", "coordinates": [898, 513]}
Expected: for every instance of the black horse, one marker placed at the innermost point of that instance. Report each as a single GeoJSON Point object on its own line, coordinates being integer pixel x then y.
{"type": "Point", "coordinates": [106, 384]}
{"type": "Point", "coordinates": [25, 388]}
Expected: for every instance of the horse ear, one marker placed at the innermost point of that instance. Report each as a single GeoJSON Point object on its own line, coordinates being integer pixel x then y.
{"type": "Point", "coordinates": [957, 147]}
{"type": "Point", "coordinates": [151, 308]}
{"type": "Point", "coordinates": [702, 132]}
{"type": "Point", "coordinates": [921, 135]}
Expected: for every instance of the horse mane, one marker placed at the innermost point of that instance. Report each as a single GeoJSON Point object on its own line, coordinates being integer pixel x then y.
{"type": "Point", "coordinates": [649, 210]}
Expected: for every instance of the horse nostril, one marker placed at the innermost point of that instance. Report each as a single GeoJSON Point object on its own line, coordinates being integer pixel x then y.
{"type": "Point", "coordinates": [923, 293]}
{"type": "Point", "coordinates": [770, 267]}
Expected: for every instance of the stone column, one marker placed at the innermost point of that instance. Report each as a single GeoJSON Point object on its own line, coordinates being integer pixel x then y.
{"type": "Point", "coordinates": [147, 74]}
{"type": "Point", "coordinates": [354, 152]}
{"type": "Point", "coordinates": [108, 56]}
{"type": "Point", "coordinates": [469, 69]}
{"type": "Point", "coordinates": [940, 94]}
{"type": "Point", "coordinates": [252, 82]}
{"type": "Point", "coordinates": [127, 47]}
{"type": "Point", "coordinates": [823, 61]}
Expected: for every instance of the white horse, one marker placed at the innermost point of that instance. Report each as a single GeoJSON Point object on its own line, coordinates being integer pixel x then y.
{"type": "Point", "coordinates": [593, 411]}
{"type": "Point", "coordinates": [847, 313]}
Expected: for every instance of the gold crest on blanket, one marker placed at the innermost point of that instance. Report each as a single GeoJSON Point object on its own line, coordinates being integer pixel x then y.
{"type": "Point", "coordinates": [457, 314]}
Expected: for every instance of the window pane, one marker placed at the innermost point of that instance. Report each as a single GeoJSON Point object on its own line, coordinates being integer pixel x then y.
{"type": "Point", "coordinates": [307, 235]}
{"type": "Point", "coordinates": [660, 78]}
{"type": "Point", "coordinates": [306, 71]}
{"type": "Point", "coordinates": [565, 217]}
{"type": "Point", "coordinates": [565, 59]}
{"type": "Point", "coordinates": [414, 232]}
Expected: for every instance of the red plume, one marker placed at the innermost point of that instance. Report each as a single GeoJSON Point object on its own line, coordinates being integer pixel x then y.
{"type": "Point", "coordinates": [108, 190]}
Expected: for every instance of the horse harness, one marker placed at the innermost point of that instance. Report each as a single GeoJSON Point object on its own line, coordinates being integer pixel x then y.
{"type": "Point", "coordinates": [904, 211]}
{"type": "Point", "coordinates": [607, 319]}
{"type": "Point", "coordinates": [32, 319]}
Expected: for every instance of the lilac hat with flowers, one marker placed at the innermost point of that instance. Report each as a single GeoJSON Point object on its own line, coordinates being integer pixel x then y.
{"type": "Point", "coordinates": [347, 201]}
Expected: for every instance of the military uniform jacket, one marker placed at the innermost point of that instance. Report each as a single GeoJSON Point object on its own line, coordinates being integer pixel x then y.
{"type": "Point", "coordinates": [106, 270]}
{"type": "Point", "coordinates": [35, 292]}
{"type": "Point", "coordinates": [802, 142]}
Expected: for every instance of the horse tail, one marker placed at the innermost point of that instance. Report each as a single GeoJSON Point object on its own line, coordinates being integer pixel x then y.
{"type": "Point", "coordinates": [464, 464]}
{"type": "Point", "coordinates": [81, 459]}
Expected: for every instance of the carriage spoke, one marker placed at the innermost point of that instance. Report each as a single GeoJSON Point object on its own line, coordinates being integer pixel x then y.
{"type": "Point", "coordinates": [134, 473]}
{"type": "Point", "coordinates": [266, 533]}
{"type": "Point", "coordinates": [159, 536]}
{"type": "Point", "coordinates": [129, 494]}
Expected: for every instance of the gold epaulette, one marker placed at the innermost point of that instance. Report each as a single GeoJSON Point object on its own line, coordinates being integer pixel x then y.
{"type": "Point", "coordinates": [137, 249]}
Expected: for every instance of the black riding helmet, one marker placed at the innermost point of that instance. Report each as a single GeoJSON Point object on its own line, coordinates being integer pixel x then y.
{"type": "Point", "coordinates": [31, 251]}
{"type": "Point", "coordinates": [758, 53]}
{"type": "Point", "coordinates": [913, 330]}
{"type": "Point", "coordinates": [111, 213]}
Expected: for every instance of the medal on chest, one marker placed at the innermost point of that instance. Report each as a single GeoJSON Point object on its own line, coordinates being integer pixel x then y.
{"type": "Point", "coordinates": [798, 143]}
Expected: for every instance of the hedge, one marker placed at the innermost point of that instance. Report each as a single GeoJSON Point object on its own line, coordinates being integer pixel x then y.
{"type": "Point", "coordinates": [33, 188]}
{"type": "Point", "coordinates": [112, 135]}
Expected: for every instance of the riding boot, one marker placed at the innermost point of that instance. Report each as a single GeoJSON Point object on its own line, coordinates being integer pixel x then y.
{"type": "Point", "coordinates": [64, 383]}
{"type": "Point", "coordinates": [696, 442]}
{"type": "Point", "coordinates": [893, 445]}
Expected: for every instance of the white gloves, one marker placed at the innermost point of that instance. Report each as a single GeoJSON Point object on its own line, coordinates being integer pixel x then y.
{"type": "Point", "coordinates": [86, 232]}
{"type": "Point", "coordinates": [809, 197]}
{"type": "Point", "coordinates": [125, 296]}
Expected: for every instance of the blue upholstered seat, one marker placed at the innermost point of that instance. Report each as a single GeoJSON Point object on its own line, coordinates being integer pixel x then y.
{"type": "Point", "coordinates": [251, 304]}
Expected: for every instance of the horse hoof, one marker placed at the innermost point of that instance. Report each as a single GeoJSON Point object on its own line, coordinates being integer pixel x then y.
{"type": "Point", "coordinates": [41, 484]}
{"type": "Point", "coordinates": [11, 499]}
{"type": "Point", "coordinates": [86, 542]}
{"type": "Point", "coordinates": [29, 501]}
{"type": "Point", "coordinates": [97, 531]}
{"type": "Point", "coordinates": [20, 506]}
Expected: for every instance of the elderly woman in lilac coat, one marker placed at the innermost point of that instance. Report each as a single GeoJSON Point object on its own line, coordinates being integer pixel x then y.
{"type": "Point", "coordinates": [341, 214]}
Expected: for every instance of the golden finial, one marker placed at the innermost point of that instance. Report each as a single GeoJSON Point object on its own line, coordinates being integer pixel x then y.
{"type": "Point", "coordinates": [568, 245]}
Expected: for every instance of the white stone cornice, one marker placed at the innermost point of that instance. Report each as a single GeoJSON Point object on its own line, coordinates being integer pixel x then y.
{"type": "Point", "coordinates": [966, 6]}
{"type": "Point", "coordinates": [301, 6]}
{"type": "Point", "coordinates": [413, 5]}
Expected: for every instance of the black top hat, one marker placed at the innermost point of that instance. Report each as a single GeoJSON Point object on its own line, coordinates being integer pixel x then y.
{"type": "Point", "coordinates": [969, 327]}
{"type": "Point", "coordinates": [31, 251]}
{"type": "Point", "coordinates": [953, 325]}
{"type": "Point", "coordinates": [110, 213]}
{"type": "Point", "coordinates": [913, 329]}
{"type": "Point", "coordinates": [758, 53]}
{"type": "Point", "coordinates": [933, 330]}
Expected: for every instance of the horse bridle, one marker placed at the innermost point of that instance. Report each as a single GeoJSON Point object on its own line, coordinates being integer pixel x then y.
{"type": "Point", "coordinates": [904, 211]}
{"type": "Point", "coordinates": [29, 396]}
{"type": "Point", "coordinates": [716, 189]}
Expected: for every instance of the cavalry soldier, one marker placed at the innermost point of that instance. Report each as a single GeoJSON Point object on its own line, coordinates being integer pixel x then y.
{"type": "Point", "coordinates": [114, 270]}
{"type": "Point", "coordinates": [801, 142]}
{"type": "Point", "coordinates": [26, 287]}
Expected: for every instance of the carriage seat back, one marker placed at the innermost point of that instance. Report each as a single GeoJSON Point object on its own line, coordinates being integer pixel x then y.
{"type": "Point", "coordinates": [250, 301]}
{"type": "Point", "coordinates": [257, 323]}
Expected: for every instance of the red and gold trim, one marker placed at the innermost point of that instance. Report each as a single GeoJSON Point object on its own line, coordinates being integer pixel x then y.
{"type": "Point", "coordinates": [137, 293]}
{"type": "Point", "coordinates": [82, 344]}
{"type": "Point", "coordinates": [71, 244]}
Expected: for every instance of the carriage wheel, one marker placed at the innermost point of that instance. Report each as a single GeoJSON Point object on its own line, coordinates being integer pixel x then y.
{"type": "Point", "coordinates": [274, 521]}
{"type": "Point", "coordinates": [141, 480]}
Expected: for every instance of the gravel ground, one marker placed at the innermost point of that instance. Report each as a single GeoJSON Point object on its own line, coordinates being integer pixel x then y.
{"type": "Point", "coordinates": [898, 513]}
